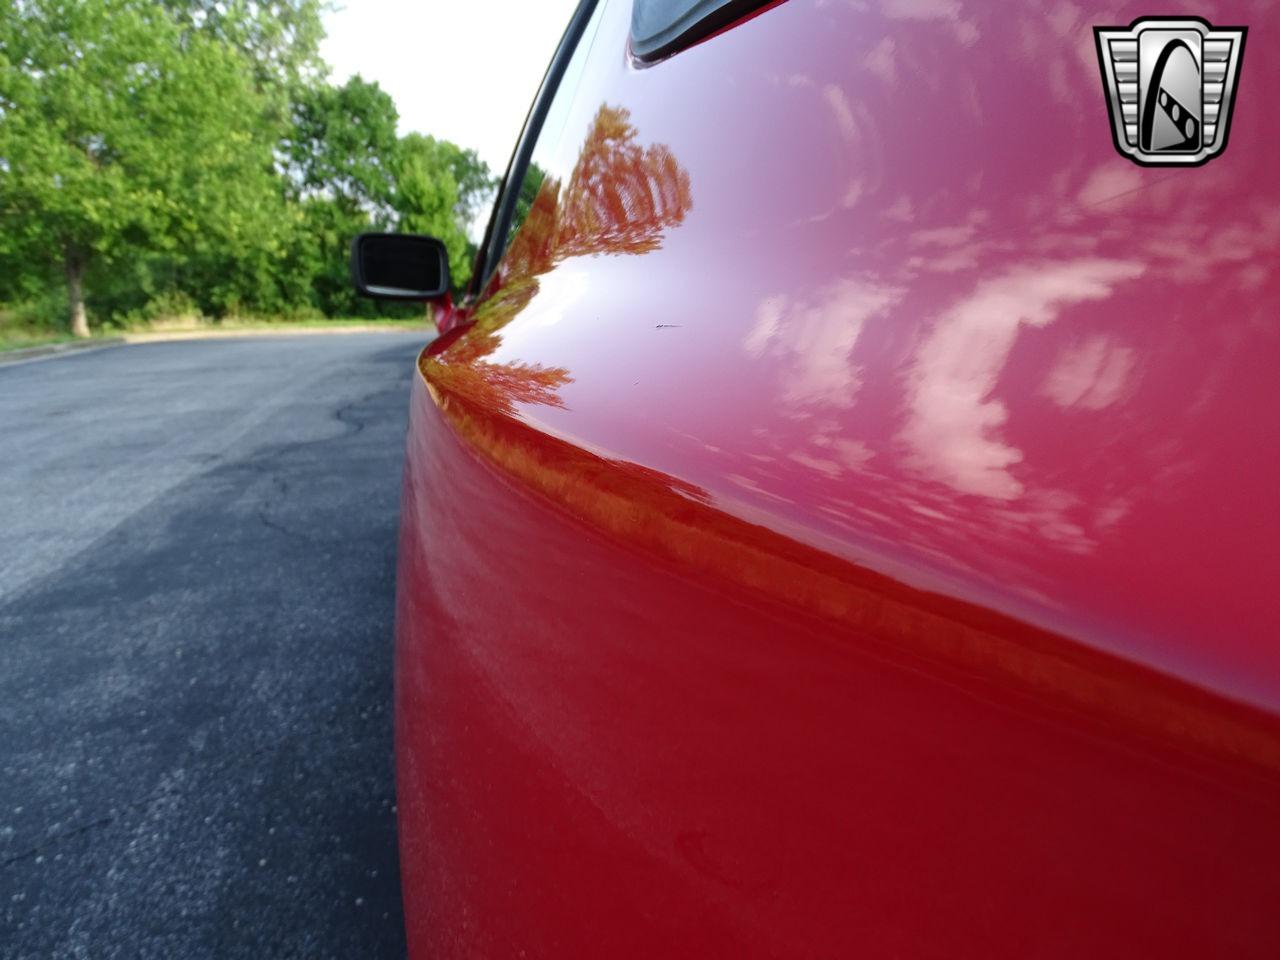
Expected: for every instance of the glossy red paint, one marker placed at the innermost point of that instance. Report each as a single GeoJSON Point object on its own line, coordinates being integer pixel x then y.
{"type": "Point", "coordinates": [847, 525]}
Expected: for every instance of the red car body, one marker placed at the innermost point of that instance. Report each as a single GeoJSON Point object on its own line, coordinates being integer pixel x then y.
{"type": "Point", "coordinates": [846, 521]}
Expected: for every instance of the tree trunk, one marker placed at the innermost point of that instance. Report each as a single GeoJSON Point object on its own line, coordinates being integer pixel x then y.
{"type": "Point", "coordinates": [75, 293]}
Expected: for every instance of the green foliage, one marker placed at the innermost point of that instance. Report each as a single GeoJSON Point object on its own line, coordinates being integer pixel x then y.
{"type": "Point", "coordinates": [340, 174]}
{"type": "Point", "coordinates": [120, 134]}
{"type": "Point", "coordinates": [178, 157]}
{"type": "Point", "coordinates": [167, 306]}
{"type": "Point", "coordinates": [475, 185]}
{"type": "Point", "coordinates": [441, 189]}
{"type": "Point", "coordinates": [428, 200]}
{"type": "Point", "coordinates": [279, 38]}
{"type": "Point", "coordinates": [36, 311]}
{"type": "Point", "coordinates": [343, 144]}
{"type": "Point", "coordinates": [529, 187]}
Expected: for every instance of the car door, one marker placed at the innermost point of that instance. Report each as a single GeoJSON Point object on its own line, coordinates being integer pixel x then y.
{"type": "Point", "coordinates": [843, 523]}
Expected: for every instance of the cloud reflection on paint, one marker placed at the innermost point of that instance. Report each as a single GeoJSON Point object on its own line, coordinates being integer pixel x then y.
{"type": "Point", "coordinates": [815, 338]}
{"type": "Point", "coordinates": [953, 423]}
{"type": "Point", "coordinates": [1091, 375]}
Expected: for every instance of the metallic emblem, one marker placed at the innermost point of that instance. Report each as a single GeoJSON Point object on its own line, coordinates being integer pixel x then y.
{"type": "Point", "coordinates": [1170, 83]}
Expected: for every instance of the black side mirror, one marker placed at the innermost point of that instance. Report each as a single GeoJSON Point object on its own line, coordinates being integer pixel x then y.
{"type": "Point", "coordinates": [399, 266]}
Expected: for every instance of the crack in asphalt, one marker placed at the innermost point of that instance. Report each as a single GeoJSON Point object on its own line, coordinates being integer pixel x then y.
{"type": "Point", "coordinates": [103, 821]}
{"type": "Point", "coordinates": [341, 414]}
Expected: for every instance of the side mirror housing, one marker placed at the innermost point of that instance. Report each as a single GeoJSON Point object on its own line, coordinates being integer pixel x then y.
{"type": "Point", "coordinates": [399, 266]}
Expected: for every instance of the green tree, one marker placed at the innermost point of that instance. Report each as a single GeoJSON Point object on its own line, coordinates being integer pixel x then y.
{"type": "Point", "coordinates": [340, 169]}
{"type": "Point", "coordinates": [280, 38]}
{"type": "Point", "coordinates": [343, 146]}
{"type": "Point", "coordinates": [187, 156]}
{"type": "Point", "coordinates": [121, 133]}
{"type": "Point", "coordinates": [529, 189]}
{"type": "Point", "coordinates": [351, 173]}
{"type": "Point", "coordinates": [476, 185]}
{"type": "Point", "coordinates": [439, 188]}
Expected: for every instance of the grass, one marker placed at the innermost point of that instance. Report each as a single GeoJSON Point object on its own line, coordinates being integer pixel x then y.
{"type": "Point", "coordinates": [21, 339]}
{"type": "Point", "coordinates": [267, 324]}
{"type": "Point", "coordinates": [18, 336]}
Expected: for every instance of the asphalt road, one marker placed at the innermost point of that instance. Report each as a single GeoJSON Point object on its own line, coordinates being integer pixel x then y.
{"type": "Point", "coordinates": [197, 551]}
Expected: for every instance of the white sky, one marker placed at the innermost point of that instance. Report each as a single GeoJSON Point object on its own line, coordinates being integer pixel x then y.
{"type": "Point", "coordinates": [462, 70]}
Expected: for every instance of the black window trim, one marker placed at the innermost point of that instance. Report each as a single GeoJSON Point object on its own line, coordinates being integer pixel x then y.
{"type": "Point", "coordinates": [495, 236]}
{"type": "Point", "coordinates": [698, 21]}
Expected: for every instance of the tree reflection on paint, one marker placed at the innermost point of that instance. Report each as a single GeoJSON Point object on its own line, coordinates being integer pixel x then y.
{"type": "Point", "coordinates": [456, 366]}
{"type": "Point", "coordinates": [465, 374]}
{"type": "Point", "coordinates": [620, 198]}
